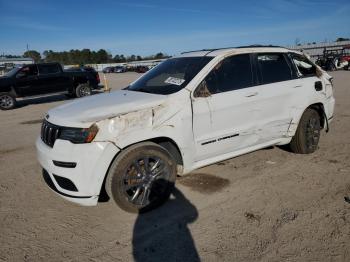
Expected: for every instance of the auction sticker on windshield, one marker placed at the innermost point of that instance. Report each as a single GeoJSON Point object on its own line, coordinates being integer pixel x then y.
{"type": "Point", "coordinates": [174, 81]}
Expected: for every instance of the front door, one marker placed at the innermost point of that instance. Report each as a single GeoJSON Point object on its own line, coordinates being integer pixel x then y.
{"type": "Point", "coordinates": [225, 109]}
{"type": "Point", "coordinates": [26, 83]}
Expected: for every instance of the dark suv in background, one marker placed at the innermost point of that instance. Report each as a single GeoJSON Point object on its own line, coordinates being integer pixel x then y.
{"type": "Point", "coordinates": [49, 78]}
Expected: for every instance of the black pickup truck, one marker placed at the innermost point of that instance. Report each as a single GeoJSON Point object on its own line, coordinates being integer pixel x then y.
{"type": "Point", "coordinates": [39, 79]}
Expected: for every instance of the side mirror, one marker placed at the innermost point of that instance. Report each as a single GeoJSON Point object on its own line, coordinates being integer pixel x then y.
{"type": "Point", "coordinates": [202, 90]}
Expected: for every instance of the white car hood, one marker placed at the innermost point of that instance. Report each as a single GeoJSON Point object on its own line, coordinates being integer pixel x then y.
{"type": "Point", "coordinates": [85, 111]}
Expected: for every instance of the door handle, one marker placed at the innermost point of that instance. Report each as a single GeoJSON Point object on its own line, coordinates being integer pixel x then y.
{"type": "Point", "coordinates": [251, 94]}
{"type": "Point", "coordinates": [297, 86]}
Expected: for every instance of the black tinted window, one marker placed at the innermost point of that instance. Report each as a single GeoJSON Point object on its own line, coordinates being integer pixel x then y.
{"type": "Point", "coordinates": [273, 68]}
{"type": "Point", "coordinates": [29, 70]}
{"type": "Point", "coordinates": [305, 67]}
{"type": "Point", "coordinates": [231, 74]}
{"type": "Point", "coordinates": [48, 69]}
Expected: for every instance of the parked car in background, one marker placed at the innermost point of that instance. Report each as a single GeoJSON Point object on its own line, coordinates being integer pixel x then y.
{"type": "Point", "coordinates": [47, 78]}
{"type": "Point", "coordinates": [119, 69]}
{"type": "Point", "coordinates": [107, 70]}
{"type": "Point", "coordinates": [334, 59]}
{"type": "Point", "coordinates": [191, 111]}
{"type": "Point", "coordinates": [345, 61]}
{"type": "Point", "coordinates": [142, 69]}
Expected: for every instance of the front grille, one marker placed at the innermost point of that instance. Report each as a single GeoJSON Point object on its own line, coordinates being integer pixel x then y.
{"type": "Point", "coordinates": [49, 133]}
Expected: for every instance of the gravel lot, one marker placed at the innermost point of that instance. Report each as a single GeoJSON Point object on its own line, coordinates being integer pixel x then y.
{"type": "Point", "coordinates": [270, 205]}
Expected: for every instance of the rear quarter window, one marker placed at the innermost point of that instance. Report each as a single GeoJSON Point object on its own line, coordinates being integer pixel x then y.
{"type": "Point", "coordinates": [304, 67]}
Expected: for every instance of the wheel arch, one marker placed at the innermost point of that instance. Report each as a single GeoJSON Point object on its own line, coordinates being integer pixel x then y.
{"type": "Point", "coordinates": [79, 81]}
{"type": "Point", "coordinates": [319, 108]}
{"type": "Point", "coordinates": [10, 89]}
{"type": "Point", "coordinates": [166, 142]}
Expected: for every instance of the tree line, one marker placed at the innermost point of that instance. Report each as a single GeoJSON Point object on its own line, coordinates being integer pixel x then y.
{"type": "Point", "coordinates": [86, 56]}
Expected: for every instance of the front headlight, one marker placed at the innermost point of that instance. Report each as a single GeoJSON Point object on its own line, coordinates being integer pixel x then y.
{"type": "Point", "coordinates": [79, 135]}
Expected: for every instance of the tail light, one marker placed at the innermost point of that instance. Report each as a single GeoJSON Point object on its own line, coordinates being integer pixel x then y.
{"type": "Point", "coordinates": [97, 78]}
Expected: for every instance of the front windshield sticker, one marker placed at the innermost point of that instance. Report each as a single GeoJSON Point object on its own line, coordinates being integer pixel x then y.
{"type": "Point", "coordinates": [174, 81]}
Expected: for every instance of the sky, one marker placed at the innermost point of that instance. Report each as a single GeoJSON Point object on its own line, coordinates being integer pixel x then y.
{"type": "Point", "coordinates": [151, 26]}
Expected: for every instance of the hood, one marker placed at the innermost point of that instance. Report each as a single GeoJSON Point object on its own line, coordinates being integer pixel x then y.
{"type": "Point", "coordinates": [85, 111]}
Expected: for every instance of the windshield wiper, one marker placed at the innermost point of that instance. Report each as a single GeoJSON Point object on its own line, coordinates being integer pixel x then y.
{"type": "Point", "coordinates": [141, 90]}
{"type": "Point", "coordinates": [137, 90]}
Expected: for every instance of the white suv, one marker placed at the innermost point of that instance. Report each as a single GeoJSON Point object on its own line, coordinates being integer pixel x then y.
{"type": "Point", "coordinates": [190, 111]}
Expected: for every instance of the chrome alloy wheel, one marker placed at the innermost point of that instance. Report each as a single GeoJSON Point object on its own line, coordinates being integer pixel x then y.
{"type": "Point", "coordinates": [145, 180]}
{"type": "Point", "coordinates": [6, 101]}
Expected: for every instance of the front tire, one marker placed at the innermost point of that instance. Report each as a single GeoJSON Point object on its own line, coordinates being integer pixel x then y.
{"type": "Point", "coordinates": [7, 101]}
{"type": "Point", "coordinates": [141, 178]}
{"type": "Point", "coordinates": [307, 136]}
{"type": "Point", "coordinates": [83, 90]}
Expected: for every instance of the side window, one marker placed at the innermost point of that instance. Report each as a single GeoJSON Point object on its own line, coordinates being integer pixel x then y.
{"type": "Point", "coordinates": [26, 71]}
{"type": "Point", "coordinates": [230, 74]}
{"type": "Point", "coordinates": [49, 69]}
{"type": "Point", "coordinates": [273, 68]}
{"type": "Point", "coordinates": [304, 66]}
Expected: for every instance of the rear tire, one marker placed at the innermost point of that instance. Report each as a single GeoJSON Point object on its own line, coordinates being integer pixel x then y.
{"type": "Point", "coordinates": [141, 178]}
{"type": "Point", "coordinates": [7, 101]}
{"type": "Point", "coordinates": [83, 90]}
{"type": "Point", "coordinates": [307, 136]}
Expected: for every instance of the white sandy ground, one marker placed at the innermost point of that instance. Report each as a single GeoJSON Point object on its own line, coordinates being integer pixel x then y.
{"type": "Point", "coordinates": [270, 205]}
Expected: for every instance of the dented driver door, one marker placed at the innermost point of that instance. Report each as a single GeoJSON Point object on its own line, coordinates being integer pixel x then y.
{"type": "Point", "coordinates": [225, 108]}
{"type": "Point", "coordinates": [225, 122]}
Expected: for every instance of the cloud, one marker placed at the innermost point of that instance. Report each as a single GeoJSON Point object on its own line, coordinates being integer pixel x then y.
{"type": "Point", "coordinates": [168, 8]}
{"type": "Point", "coordinates": [19, 22]}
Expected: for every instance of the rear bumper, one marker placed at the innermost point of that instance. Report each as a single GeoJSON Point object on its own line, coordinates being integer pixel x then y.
{"type": "Point", "coordinates": [98, 87]}
{"type": "Point", "coordinates": [76, 171]}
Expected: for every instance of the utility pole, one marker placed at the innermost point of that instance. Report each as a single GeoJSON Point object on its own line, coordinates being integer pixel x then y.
{"type": "Point", "coordinates": [27, 47]}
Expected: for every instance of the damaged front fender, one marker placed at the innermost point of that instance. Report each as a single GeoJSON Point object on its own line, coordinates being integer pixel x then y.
{"type": "Point", "coordinates": [135, 124]}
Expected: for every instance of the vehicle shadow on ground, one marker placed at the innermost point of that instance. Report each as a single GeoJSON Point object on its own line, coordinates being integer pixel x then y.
{"type": "Point", "coordinates": [163, 234]}
{"type": "Point", "coordinates": [48, 99]}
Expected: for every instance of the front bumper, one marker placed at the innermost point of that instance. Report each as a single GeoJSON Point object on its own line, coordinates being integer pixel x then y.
{"type": "Point", "coordinates": [80, 184]}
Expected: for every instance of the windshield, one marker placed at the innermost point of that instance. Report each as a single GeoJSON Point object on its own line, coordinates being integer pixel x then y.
{"type": "Point", "coordinates": [12, 72]}
{"type": "Point", "coordinates": [170, 76]}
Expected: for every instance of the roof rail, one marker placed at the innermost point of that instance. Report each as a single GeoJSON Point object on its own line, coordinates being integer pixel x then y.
{"type": "Point", "coordinates": [222, 48]}
{"type": "Point", "coordinates": [202, 50]}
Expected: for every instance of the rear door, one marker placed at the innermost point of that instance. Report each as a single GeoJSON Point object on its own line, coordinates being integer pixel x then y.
{"type": "Point", "coordinates": [312, 88]}
{"type": "Point", "coordinates": [306, 72]}
{"type": "Point", "coordinates": [225, 107]}
{"type": "Point", "coordinates": [51, 78]}
{"type": "Point", "coordinates": [278, 95]}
